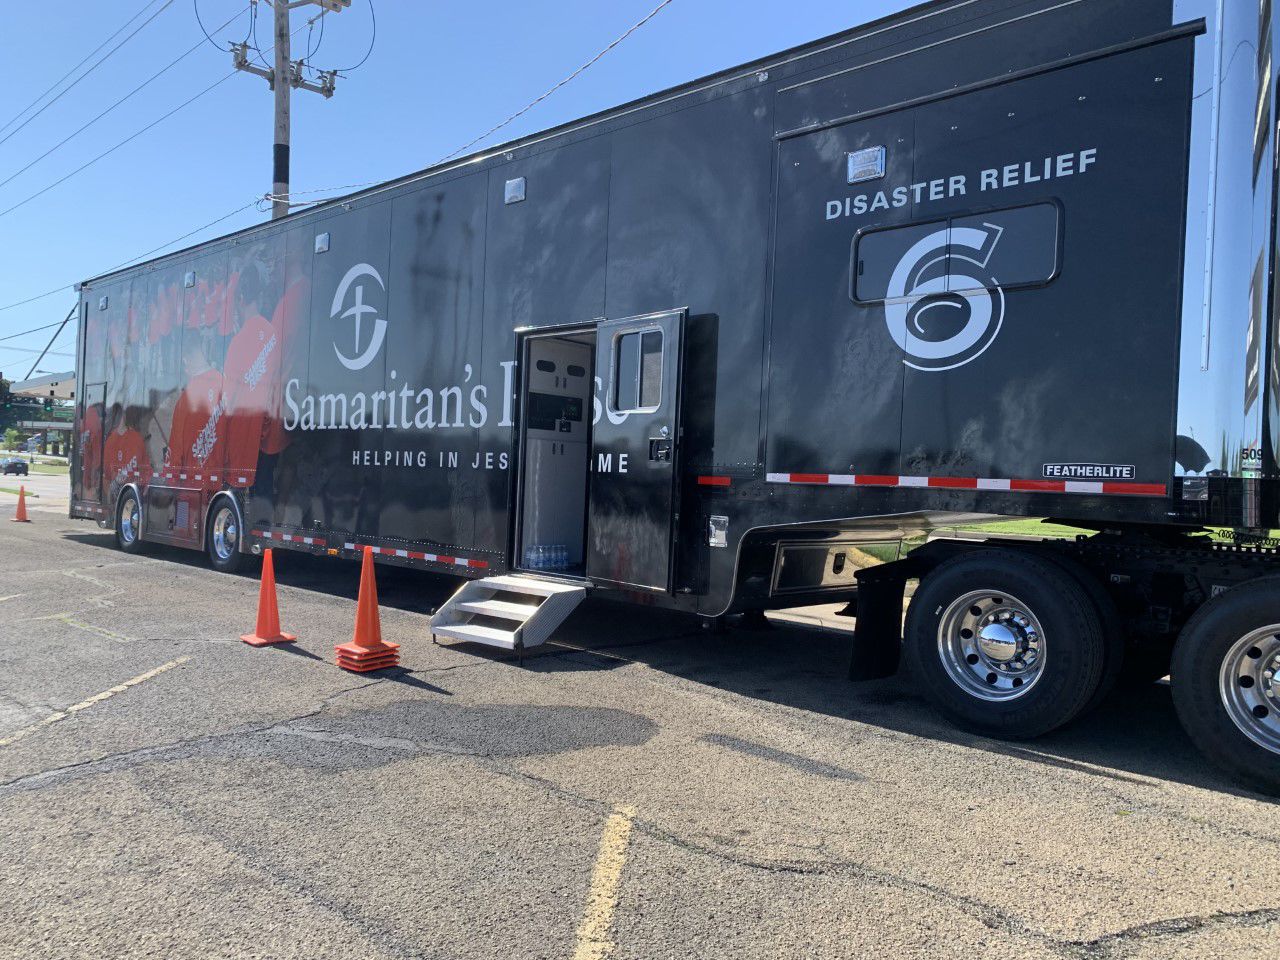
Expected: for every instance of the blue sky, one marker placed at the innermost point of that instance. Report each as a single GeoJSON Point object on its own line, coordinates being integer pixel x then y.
{"type": "Point", "coordinates": [440, 73]}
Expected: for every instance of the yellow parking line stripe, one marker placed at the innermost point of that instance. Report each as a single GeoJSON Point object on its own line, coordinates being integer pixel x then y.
{"type": "Point", "coordinates": [96, 698]}
{"type": "Point", "coordinates": [602, 900]}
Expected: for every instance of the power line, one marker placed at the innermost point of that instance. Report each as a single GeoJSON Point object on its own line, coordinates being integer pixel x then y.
{"type": "Point", "coordinates": [144, 83]}
{"type": "Point", "coordinates": [67, 89]}
{"type": "Point", "coordinates": [56, 334]}
{"type": "Point", "coordinates": [533, 103]}
{"type": "Point", "coordinates": [38, 296]}
{"type": "Point", "coordinates": [113, 149]}
{"type": "Point", "coordinates": [87, 56]}
{"type": "Point", "coordinates": [27, 333]}
{"type": "Point", "coordinates": [373, 38]}
{"type": "Point", "coordinates": [141, 256]}
{"type": "Point", "coordinates": [191, 233]}
{"type": "Point", "coordinates": [253, 29]}
{"type": "Point", "coordinates": [50, 353]}
{"type": "Point", "coordinates": [195, 6]}
{"type": "Point", "coordinates": [131, 137]}
{"type": "Point", "coordinates": [311, 26]}
{"type": "Point", "coordinates": [307, 203]}
{"type": "Point", "coordinates": [319, 190]}
{"type": "Point", "coordinates": [285, 76]}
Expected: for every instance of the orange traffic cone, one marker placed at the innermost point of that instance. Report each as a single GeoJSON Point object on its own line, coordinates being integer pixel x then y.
{"type": "Point", "coordinates": [268, 629]}
{"type": "Point", "coordinates": [21, 515]}
{"type": "Point", "coordinates": [367, 650]}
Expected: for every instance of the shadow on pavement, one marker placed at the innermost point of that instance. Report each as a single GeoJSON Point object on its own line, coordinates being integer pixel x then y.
{"type": "Point", "coordinates": [1135, 734]}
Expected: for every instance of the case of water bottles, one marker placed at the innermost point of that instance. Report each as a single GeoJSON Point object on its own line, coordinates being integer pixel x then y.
{"type": "Point", "coordinates": [547, 557]}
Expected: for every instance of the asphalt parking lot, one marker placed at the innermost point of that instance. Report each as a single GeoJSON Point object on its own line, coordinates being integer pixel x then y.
{"type": "Point", "coordinates": [641, 789]}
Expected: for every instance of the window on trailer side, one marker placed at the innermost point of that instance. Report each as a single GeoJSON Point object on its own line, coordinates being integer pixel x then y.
{"type": "Point", "coordinates": [637, 365]}
{"type": "Point", "coordinates": [1015, 247]}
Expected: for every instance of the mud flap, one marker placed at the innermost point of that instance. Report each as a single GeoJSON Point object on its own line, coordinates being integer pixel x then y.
{"type": "Point", "coordinates": [877, 634]}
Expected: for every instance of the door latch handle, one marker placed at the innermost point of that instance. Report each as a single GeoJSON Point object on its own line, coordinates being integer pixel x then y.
{"type": "Point", "coordinates": [660, 450]}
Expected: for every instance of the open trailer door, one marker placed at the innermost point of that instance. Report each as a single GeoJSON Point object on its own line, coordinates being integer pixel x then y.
{"type": "Point", "coordinates": [634, 500]}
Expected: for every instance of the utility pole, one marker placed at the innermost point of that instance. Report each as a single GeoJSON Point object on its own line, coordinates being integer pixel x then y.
{"type": "Point", "coordinates": [283, 78]}
{"type": "Point", "coordinates": [280, 151]}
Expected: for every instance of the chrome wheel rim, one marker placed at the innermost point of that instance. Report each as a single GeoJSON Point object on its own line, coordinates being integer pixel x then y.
{"type": "Point", "coordinates": [1249, 685]}
{"type": "Point", "coordinates": [991, 645]}
{"type": "Point", "coordinates": [226, 535]}
{"type": "Point", "coordinates": [129, 519]}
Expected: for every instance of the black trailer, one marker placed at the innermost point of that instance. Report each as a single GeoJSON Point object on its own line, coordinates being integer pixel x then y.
{"type": "Point", "coordinates": [728, 347]}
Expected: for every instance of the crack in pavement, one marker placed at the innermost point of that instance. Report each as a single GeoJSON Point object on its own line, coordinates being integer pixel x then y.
{"type": "Point", "coordinates": [985, 913]}
{"type": "Point", "coordinates": [1106, 946]}
{"type": "Point", "coordinates": [179, 748]}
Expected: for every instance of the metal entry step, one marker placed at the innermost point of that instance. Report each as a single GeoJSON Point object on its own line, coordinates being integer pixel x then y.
{"type": "Point", "coordinates": [509, 611]}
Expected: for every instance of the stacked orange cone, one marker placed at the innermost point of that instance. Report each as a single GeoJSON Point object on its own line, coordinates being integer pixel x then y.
{"type": "Point", "coordinates": [21, 515]}
{"type": "Point", "coordinates": [367, 650]}
{"type": "Point", "coordinates": [268, 629]}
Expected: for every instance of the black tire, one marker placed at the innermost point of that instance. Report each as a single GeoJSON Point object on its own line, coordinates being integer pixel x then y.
{"type": "Point", "coordinates": [1071, 641]}
{"type": "Point", "coordinates": [1205, 643]}
{"type": "Point", "coordinates": [1116, 650]}
{"type": "Point", "coordinates": [223, 535]}
{"type": "Point", "coordinates": [128, 522]}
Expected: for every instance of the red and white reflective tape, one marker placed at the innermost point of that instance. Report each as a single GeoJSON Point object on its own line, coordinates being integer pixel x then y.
{"type": "Point", "coordinates": [1124, 487]}
{"type": "Point", "coordinates": [213, 477]}
{"type": "Point", "coordinates": [418, 555]}
{"type": "Point", "coordinates": [289, 537]}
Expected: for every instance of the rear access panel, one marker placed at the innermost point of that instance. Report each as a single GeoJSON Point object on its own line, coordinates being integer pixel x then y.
{"type": "Point", "coordinates": [986, 287]}
{"type": "Point", "coordinates": [1052, 353]}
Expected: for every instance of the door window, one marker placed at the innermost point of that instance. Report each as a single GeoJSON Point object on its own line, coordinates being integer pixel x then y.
{"type": "Point", "coordinates": [637, 372]}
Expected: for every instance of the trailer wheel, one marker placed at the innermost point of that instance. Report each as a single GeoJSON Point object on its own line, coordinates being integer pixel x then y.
{"type": "Point", "coordinates": [1116, 650]}
{"type": "Point", "coordinates": [1226, 682]}
{"type": "Point", "coordinates": [1005, 643]}
{"type": "Point", "coordinates": [223, 535]}
{"type": "Point", "coordinates": [129, 522]}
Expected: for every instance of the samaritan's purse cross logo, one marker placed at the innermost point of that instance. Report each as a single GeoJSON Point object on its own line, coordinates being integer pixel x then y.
{"type": "Point", "coordinates": [360, 358]}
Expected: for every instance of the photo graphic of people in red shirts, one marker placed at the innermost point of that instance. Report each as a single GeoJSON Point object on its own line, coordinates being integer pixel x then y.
{"type": "Point", "coordinates": [289, 318]}
{"type": "Point", "coordinates": [198, 434]}
{"type": "Point", "coordinates": [90, 441]}
{"type": "Point", "coordinates": [250, 374]}
{"type": "Point", "coordinates": [124, 453]}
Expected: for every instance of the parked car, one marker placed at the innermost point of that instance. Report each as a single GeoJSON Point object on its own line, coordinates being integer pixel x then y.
{"type": "Point", "coordinates": [17, 466]}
